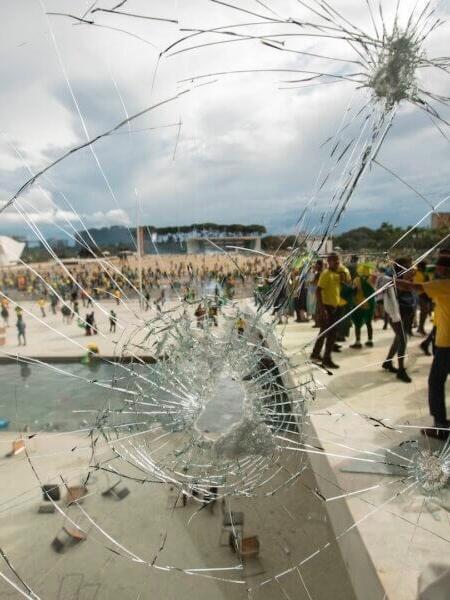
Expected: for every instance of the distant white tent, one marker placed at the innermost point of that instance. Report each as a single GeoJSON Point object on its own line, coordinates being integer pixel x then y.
{"type": "Point", "coordinates": [10, 251]}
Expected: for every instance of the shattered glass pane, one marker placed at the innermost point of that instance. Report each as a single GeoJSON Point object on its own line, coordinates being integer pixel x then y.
{"type": "Point", "coordinates": [198, 445]}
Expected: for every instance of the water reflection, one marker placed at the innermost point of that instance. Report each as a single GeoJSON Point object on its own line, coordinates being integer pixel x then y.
{"type": "Point", "coordinates": [25, 370]}
{"type": "Point", "coordinates": [47, 399]}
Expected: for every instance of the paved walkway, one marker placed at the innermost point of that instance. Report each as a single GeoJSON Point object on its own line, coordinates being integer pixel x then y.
{"type": "Point", "coordinates": [396, 536]}
{"type": "Point", "coordinates": [292, 525]}
{"type": "Point", "coordinates": [360, 410]}
{"type": "Point", "coordinates": [50, 337]}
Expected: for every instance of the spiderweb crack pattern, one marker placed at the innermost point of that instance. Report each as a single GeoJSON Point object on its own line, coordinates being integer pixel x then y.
{"type": "Point", "coordinates": [167, 428]}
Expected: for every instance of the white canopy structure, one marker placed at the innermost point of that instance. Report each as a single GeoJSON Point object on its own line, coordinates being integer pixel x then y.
{"type": "Point", "coordinates": [10, 251]}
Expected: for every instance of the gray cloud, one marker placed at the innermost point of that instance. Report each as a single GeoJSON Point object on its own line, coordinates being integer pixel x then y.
{"type": "Point", "coordinates": [247, 151]}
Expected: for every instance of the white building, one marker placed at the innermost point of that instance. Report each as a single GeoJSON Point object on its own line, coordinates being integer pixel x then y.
{"type": "Point", "coordinates": [313, 244]}
{"type": "Point", "coordinates": [214, 245]}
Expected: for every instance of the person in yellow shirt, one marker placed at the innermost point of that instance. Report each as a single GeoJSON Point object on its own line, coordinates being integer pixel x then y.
{"type": "Point", "coordinates": [240, 326]}
{"type": "Point", "coordinates": [328, 302]}
{"type": "Point", "coordinates": [439, 291]}
{"type": "Point", "coordinates": [41, 303]}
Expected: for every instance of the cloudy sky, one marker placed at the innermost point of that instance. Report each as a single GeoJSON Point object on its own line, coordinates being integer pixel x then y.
{"type": "Point", "coordinates": [242, 148]}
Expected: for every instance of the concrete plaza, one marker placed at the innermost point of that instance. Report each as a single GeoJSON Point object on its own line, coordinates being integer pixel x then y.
{"type": "Point", "coordinates": [361, 416]}
{"type": "Point", "coordinates": [358, 411]}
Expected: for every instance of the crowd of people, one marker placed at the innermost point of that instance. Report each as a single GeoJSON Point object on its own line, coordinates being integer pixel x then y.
{"type": "Point", "coordinates": [73, 290]}
{"type": "Point", "coordinates": [338, 295]}
{"type": "Point", "coordinates": [334, 295]}
{"type": "Point", "coordinates": [105, 279]}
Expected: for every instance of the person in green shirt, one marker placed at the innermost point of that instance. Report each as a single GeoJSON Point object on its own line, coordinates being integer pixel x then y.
{"type": "Point", "coordinates": [364, 310]}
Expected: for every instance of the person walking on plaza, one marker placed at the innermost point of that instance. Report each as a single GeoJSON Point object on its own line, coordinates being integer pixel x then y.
{"type": "Point", "coordinates": [199, 314]}
{"type": "Point", "coordinates": [328, 300]}
{"type": "Point", "coordinates": [439, 292]}
{"type": "Point", "coordinates": [300, 294]}
{"type": "Point", "coordinates": [21, 331]}
{"type": "Point", "coordinates": [212, 314]}
{"type": "Point", "coordinates": [93, 324]}
{"type": "Point", "coordinates": [312, 292]}
{"type": "Point", "coordinates": [89, 323]}
{"type": "Point", "coordinates": [407, 299]}
{"type": "Point", "coordinates": [240, 325]}
{"type": "Point", "coordinates": [53, 303]}
{"type": "Point", "coordinates": [5, 312]}
{"type": "Point", "coordinates": [76, 309]}
{"type": "Point", "coordinates": [41, 304]}
{"type": "Point", "coordinates": [112, 321]}
{"type": "Point", "coordinates": [399, 305]}
{"type": "Point", "coordinates": [421, 276]}
{"type": "Point", "coordinates": [66, 314]}
{"type": "Point", "coordinates": [365, 305]}
{"type": "Point", "coordinates": [147, 300]}
{"type": "Point", "coordinates": [345, 306]}
{"type": "Point", "coordinates": [428, 341]}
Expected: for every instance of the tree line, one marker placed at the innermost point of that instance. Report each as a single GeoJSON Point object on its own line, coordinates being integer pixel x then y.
{"type": "Point", "coordinates": [117, 235]}
{"type": "Point", "coordinates": [384, 237]}
{"type": "Point", "coordinates": [356, 240]}
{"type": "Point", "coordinates": [381, 239]}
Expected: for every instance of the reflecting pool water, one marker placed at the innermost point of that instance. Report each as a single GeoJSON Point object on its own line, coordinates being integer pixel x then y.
{"type": "Point", "coordinates": [39, 398]}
